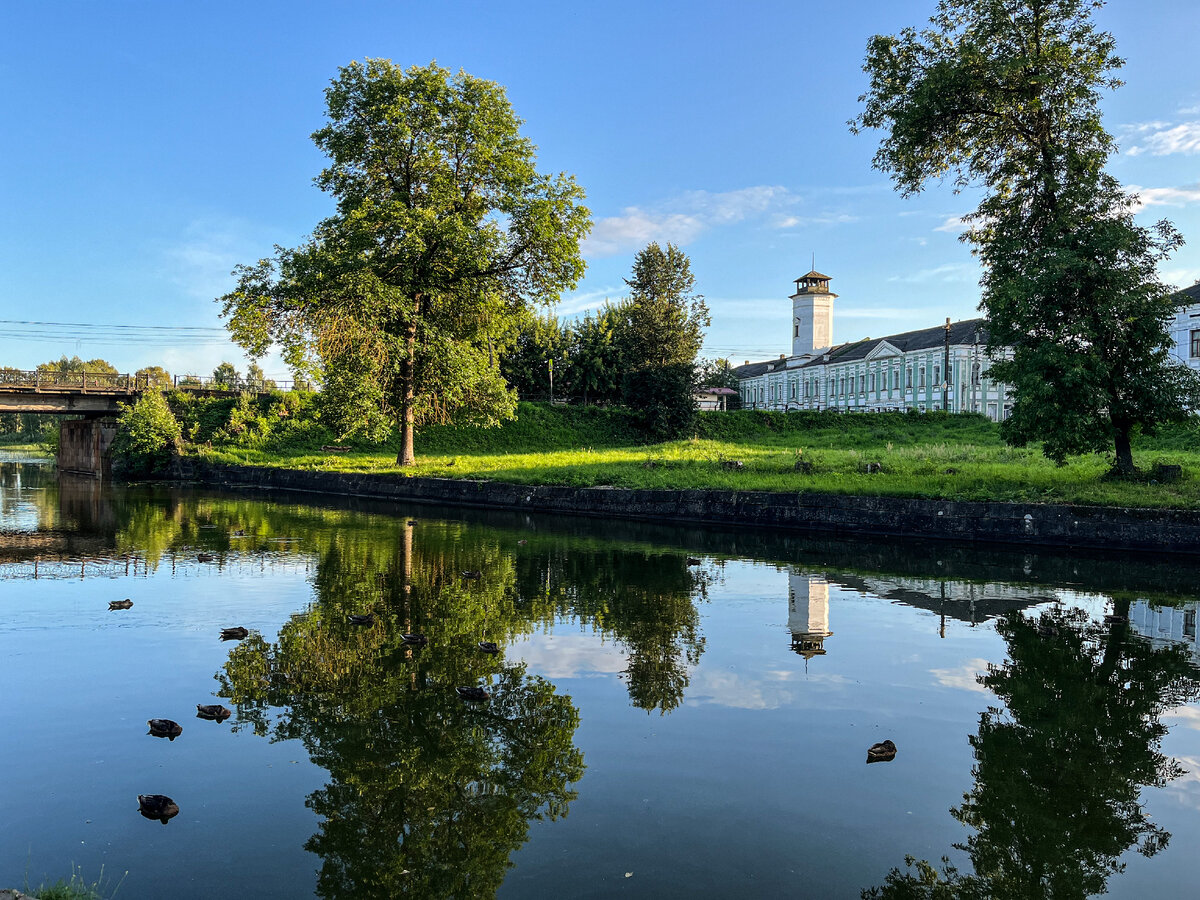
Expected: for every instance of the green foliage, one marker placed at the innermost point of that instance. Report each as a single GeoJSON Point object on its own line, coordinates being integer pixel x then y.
{"type": "Point", "coordinates": [1006, 95]}
{"type": "Point", "coordinates": [539, 348]}
{"type": "Point", "coordinates": [157, 376]}
{"type": "Point", "coordinates": [444, 234]}
{"type": "Point", "coordinates": [227, 377]}
{"type": "Point", "coordinates": [538, 426]}
{"type": "Point", "coordinates": [75, 364]}
{"type": "Point", "coordinates": [147, 434]}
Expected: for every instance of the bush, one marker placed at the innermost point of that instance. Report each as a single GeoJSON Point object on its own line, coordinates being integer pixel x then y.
{"type": "Point", "coordinates": [147, 436]}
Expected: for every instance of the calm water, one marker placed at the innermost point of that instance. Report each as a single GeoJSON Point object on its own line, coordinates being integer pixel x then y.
{"type": "Point", "coordinates": [673, 712]}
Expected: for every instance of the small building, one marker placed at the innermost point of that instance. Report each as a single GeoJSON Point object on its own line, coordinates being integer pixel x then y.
{"type": "Point", "coordinates": [714, 398]}
{"type": "Point", "coordinates": [943, 367]}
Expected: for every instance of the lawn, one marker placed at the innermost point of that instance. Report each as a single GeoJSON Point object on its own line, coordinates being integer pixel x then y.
{"type": "Point", "coordinates": [938, 456]}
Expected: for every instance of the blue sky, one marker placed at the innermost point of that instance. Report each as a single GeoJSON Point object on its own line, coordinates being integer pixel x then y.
{"type": "Point", "coordinates": [149, 147]}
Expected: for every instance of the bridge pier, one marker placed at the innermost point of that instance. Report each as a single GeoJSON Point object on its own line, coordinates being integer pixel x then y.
{"type": "Point", "coordinates": [85, 447]}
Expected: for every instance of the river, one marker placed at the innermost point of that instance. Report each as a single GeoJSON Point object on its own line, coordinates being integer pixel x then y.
{"type": "Point", "coordinates": [672, 712]}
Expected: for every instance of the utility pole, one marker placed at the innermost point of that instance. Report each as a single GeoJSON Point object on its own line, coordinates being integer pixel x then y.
{"type": "Point", "coordinates": [946, 370]}
{"type": "Point", "coordinates": [550, 363]}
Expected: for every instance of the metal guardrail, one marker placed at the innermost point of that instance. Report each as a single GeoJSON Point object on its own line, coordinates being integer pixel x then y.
{"type": "Point", "coordinates": [110, 383]}
{"type": "Point", "coordinates": [209, 383]}
{"type": "Point", "coordinates": [84, 382]}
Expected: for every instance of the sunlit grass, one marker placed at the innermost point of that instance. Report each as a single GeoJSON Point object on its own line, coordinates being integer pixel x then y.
{"type": "Point", "coordinates": [938, 470]}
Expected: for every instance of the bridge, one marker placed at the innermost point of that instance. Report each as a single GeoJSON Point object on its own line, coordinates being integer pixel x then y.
{"type": "Point", "coordinates": [83, 444]}
{"type": "Point", "coordinates": [96, 394]}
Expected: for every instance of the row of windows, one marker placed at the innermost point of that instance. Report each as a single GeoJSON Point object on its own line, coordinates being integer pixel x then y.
{"type": "Point", "coordinates": [867, 382]}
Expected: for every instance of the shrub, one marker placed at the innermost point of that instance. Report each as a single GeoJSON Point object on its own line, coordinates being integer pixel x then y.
{"type": "Point", "coordinates": [147, 434]}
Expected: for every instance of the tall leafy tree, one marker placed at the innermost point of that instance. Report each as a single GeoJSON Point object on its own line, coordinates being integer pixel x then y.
{"type": "Point", "coordinates": [1004, 94]}
{"type": "Point", "coordinates": [594, 363]}
{"type": "Point", "coordinates": [444, 232]}
{"type": "Point", "coordinates": [660, 330]}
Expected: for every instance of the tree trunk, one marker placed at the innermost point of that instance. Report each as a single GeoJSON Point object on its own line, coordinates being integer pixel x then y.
{"type": "Point", "coordinates": [406, 456]}
{"type": "Point", "coordinates": [1124, 451]}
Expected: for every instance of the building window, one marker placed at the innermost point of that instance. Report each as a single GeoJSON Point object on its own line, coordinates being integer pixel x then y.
{"type": "Point", "coordinates": [796, 333]}
{"type": "Point", "coordinates": [862, 384]}
{"type": "Point", "coordinates": [792, 390]}
{"type": "Point", "coordinates": [1196, 344]}
{"type": "Point", "coordinates": [975, 374]}
{"type": "Point", "coordinates": [921, 380]}
{"type": "Point", "coordinates": [937, 375]}
{"type": "Point", "coordinates": [908, 379]}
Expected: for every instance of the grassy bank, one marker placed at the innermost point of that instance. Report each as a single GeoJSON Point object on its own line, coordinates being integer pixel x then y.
{"type": "Point", "coordinates": [932, 456]}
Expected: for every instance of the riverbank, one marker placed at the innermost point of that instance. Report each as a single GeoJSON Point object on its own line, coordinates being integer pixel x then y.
{"type": "Point", "coordinates": [1036, 526]}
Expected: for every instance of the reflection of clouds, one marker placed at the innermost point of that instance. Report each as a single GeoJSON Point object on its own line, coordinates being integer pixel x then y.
{"type": "Point", "coordinates": [569, 655]}
{"type": "Point", "coordinates": [965, 677]}
{"type": "Point", "coordinates": [735, 690]}
{"type": "Point", "coordinates": [1186, 788]}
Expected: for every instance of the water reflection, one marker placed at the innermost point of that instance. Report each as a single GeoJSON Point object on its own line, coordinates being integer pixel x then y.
{"type": "Point", "coordinates": [1060, 767]}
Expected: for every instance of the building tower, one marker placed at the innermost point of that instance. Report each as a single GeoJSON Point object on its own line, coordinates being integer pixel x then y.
{"type": "Point", "coordinates": [812, 314]}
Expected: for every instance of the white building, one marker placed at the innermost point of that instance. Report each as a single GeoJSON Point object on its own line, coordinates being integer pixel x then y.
{"type": "Point", "coordinates": [1186, 328]}
{"type": "Point", "coordinates": [944, 367]}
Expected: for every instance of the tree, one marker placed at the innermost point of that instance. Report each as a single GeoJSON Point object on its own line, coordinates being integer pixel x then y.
{"type": "Point", "coordinates": [660, 331]}
{"type": "Point", "coordinates": [257, 379]}
{"type": "Point", "coordinates": [146, 436]}
{"type": "Point", "coordinates": [444, 232]}
{"type": "Point", "coordinates": [594, 363]}
{"type": "Point", "coordinates": [227, 377]}
{"type": "Point", "coordinates": [539, 347]}
{"type": "Point", "coordinates": [1005, 95]}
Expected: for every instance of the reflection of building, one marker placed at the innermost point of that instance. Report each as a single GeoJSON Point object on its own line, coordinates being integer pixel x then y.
{"type": "Point", "coordinates": [1167, 624]}
{"type": "Point", "coordinates": [808, 613]}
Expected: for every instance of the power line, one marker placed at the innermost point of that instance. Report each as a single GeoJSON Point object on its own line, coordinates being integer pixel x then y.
{"type": "Point", "coordinates": [97, 325]}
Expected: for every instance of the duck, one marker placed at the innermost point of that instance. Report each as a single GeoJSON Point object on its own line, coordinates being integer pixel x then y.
{"type": "Point", "coordinates": [214, 712]}
{"type": "Point", "coordinates": [241, 532]}
{"type": "Point", "coordinates": [1047, 631]}
{"type": "Point", "coordinates": [412, 521]}
{"type": "Point", "coordinates": [234, 634]}
{"type": "Point", "coordinates": [473, 694]}
{"type": "Point", "coordinates": [120, 604]}
{"type": "Point", "coordinates": [471, 574]}
{"type": "Point", "coordinates": [414, 640]}
{"type": "Point", "coordinates": [884, 751]}
{"type": "Point", "coordinates": [489, 647]}
{"type": "Point", "coordinates": [522, 543]}
{"type": "Point", "coordinates": [367, 619]}
{"type": "Point", "coordinates": [204, 557]}
{"type": "Point", "coordinates": [1116, 620]}
{"type": "Point", "coordinates": [157, 806]}
{"type": "Point", "coordinates": [694, 561]}
{"type": "Point", "coordinates": [167, 728]}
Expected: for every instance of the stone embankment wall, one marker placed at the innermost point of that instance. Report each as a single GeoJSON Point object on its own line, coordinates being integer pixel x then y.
{"type": "Point", "coordinates": [85, 447]}
{"type": "Point", "coordinates": [1029, 525]}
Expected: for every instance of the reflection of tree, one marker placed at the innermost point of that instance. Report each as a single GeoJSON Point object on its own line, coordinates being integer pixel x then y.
{"type": "Point", "coordinates": [428, 796]}
{"type": "Point", "coordinates": [645, 600]}
{"type": "Point", "coordinates": [1059, 771]}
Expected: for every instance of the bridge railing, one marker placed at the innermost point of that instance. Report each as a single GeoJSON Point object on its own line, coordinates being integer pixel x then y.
{"type": "Point", "coordinates": [209, 383]}
{"type": "Point", "coordinates": [84, 382]}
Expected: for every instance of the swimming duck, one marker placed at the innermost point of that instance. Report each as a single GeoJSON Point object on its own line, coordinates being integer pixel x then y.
{"type": "Point", "coordinates": [241, 532]}
{"type": "Point", "coordinates": [415, 640]}
{"type": "Point", "coordinates": [368, 619]}
{"type": "Point", "coordinates": [471, 574]}
{"type": "Point", "coordinates": [885, 751]}
{"type": "Point", "coordinates": [489, 647]}
{"type": "Point", "coordinates": [1116, 620]}
{"type": "Point", "coordinates": [1047, 631]}
{"type": "Point", "coordinates": [694, 561]}
{"type": "Point", "coordinates": [214, 712]}
{"type": "Point", "coordinates": [204, 557]}
{"type": "Point", "coordinates": [522, 543]}
{"type": "Point", "coordinates": [473, 694]}
{"type": "Point", "coordinates": [120, 604]}
{"type": "Point", "coordinates": [234, 634]}
{"type": "Point", "coordinates": [157, 806]}
{"type": "Point", "coordinates": [167, 728]}
{"type": "Point", "coordinates": [412, 521]}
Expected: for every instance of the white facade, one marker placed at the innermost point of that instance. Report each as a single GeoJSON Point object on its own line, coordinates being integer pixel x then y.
{"type": "Point", "coordinates": [1186, 330]}
{"type": "Point", "coordinates": [916, 370]}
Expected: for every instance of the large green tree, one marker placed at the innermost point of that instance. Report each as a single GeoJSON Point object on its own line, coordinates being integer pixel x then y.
{"type": "Point", "coordinates": [1004, 95]}
{"type": "Point", "coordinates": [658, 335]}
{"type": "Point", "coordinates": [444, 232]}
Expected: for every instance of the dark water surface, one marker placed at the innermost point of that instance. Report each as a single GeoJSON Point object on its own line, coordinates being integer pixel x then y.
{"type": "Point", "coordinates": [674, 712]}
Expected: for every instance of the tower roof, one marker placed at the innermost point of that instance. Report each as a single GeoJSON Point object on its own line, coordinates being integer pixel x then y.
{"type": "Point", "coordinates": [815, 276]}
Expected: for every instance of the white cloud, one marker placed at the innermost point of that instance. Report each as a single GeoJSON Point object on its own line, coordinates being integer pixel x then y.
{"type": "Point", "coordinates": [954, 224]}
{"type": "Point", "coordinates": [570, 655]}
{"type": "Point", "coordinates": [588, 300]}
{"type": "Point", "coordinates": [965, 677]}
{"type": "Point", "coordinates": [1188, 716]}
{"type": "Point", "coordinates": [1180, 278]}
{"type": "Point", "coordinates": [1189, 110]}
{"type": "Point", "coordinates": [200, 260]}
{"type": "Point", "coordinates": [950, 272]}
{"type": "Point", "coordinates": [1165, 196]}
{"type": "Point", "coordinates": [684, 218]}
{"type": "Point", "coordinates": [1165, 138]}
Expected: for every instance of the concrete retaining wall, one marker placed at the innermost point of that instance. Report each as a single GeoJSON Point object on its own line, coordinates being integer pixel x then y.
{"type": "Point", "coordinates": [85, 447]}
{"type": "Point", "coordinates": [1029, 525]}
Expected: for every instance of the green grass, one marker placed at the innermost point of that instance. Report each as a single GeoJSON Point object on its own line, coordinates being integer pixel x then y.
{"type": "Point", "coordinates": [76, 888]}
{"type": "Point", "coordinates": [933, 457]}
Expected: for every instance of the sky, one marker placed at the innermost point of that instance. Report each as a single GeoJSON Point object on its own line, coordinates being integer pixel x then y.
{"type": "Point", "coordinates": [151, 147]}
